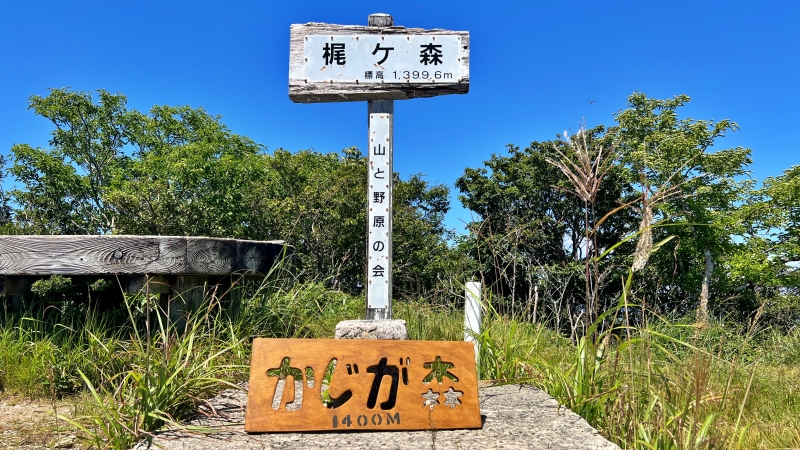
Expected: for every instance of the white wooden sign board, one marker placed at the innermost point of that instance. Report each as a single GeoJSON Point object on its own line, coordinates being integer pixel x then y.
{"type": "Point", "coordinates": [335, 63]}
{"type": "Point", "coordinates": [382, 59]}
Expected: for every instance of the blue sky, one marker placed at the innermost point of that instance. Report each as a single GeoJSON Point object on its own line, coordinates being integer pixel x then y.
{"type": "Point", "coordinates": [534, 66]}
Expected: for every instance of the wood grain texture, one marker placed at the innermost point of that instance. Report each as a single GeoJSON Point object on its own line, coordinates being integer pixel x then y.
{"type": "Point", "coordinates": [409, 411]}
{"type": "Point", "coordinates": [301, 91]}
{"type": "Point", "coordinates": [157, 255]}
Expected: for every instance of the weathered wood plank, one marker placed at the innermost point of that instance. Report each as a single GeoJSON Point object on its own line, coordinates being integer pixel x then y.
{"type": "Point", "coordinates": [156, 255]}
{"type": "Point", "coordinates": [304, 91]}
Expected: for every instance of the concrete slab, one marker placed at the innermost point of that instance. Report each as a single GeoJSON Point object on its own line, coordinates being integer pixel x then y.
{"type": "Point", "coordinates": [515, 417]}
{"type": "Point", "coordinates": [372, 329]}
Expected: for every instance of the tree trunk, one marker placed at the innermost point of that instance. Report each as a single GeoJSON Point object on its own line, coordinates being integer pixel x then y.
{"type": "Point", "coordinates": [702, 307]}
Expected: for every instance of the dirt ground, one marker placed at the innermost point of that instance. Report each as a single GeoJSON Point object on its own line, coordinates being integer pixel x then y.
{"type": "Point", "coordinates": [32, 424]}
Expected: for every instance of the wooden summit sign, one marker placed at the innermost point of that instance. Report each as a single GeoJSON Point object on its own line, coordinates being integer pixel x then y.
{"type": "Point", "coordinates": [379, 385]}
{"type": "Point", "coordinates": [351, 385]}
{"type": "Point", "coordinates": [339, 63]}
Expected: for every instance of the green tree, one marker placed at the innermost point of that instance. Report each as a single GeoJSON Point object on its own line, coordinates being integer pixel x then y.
{"type": "Point", "coordinates": [532, 228]}
{"type": "Point", "coordinates": [63, 187]}
{"type": "Point", "coordinates": [667, 182]}
{"type": "Point", "coordinates": [778, 215]}
{"type": "Point", "coordinates": [763, 266]}
{"type": "Point", "coordinates": [318, 203]}
{"type": "Point", "coordinates": [188, 175]}
{"type": "Point", "coordinates": [690, 191]}
{"type": "Point", "coordinates": [424, 260]}
{"type": "Point", "coordinates": [6, 226]}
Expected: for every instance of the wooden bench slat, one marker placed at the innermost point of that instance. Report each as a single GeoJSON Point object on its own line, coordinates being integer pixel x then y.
{"type": "Point", "coordinates": [158, 255]}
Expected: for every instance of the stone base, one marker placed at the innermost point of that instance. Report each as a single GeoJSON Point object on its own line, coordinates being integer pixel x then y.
{"type": "Point", "coordinates": [372, 329]}
{"type": "Point", "coordinates": [516, 417]}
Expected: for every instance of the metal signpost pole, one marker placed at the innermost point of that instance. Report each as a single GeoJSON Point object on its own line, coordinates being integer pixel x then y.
{"type": "Point", "coordinates": [379, 198]}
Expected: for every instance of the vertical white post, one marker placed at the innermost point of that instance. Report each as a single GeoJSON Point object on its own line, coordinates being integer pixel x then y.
{"type": "Point", "coordinates": [379, 200]}
{"type": "Point", "coordinates": [472, 313]}
{"type": "Point", "coordinates": [379, 212]}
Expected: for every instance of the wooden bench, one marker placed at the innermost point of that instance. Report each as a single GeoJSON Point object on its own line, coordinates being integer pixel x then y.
{"type": "Point", "coordinates": [167, 265]}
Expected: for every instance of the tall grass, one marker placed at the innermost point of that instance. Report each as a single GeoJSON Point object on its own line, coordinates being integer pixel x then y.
{"type": "Point", "coordinates": [40, 356]}
{"type": "Point", "coordinates": [170, 367]}
{"type": "Point", "coordinates": [147, 367]}
{"type": "Point", "coordinates": [659, 384]}
{"type": "Point", "coordinates": [664, 384]}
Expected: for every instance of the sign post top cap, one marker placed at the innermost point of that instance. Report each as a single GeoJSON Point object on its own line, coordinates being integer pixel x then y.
{"type": "Point", "coordinates": [380, 20]}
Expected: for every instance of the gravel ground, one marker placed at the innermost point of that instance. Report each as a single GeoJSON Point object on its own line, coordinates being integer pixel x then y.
{"type": "Point", "coordinates": [515, 417]}
{"type": "Point", "coordinates": [32, 424]}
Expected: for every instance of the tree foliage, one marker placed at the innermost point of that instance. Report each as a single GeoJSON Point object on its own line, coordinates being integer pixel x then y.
{"type": "Point", "coordinates": [557, 225]}
{"type": "Point", "coordinates": [181, 171]}
{"type": "Point", "coordinates": [691, 192]}
{"type": "Point", "coordinates": [188, 167]}
{"type": "Point", "coordinates": [765, 262]}
{"type": "Point", "coordinates": [666, 181]}
{"type": "Point", "coordinates": [531, 227]}
{"type": "Point", "coordinates": [64, 186]}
